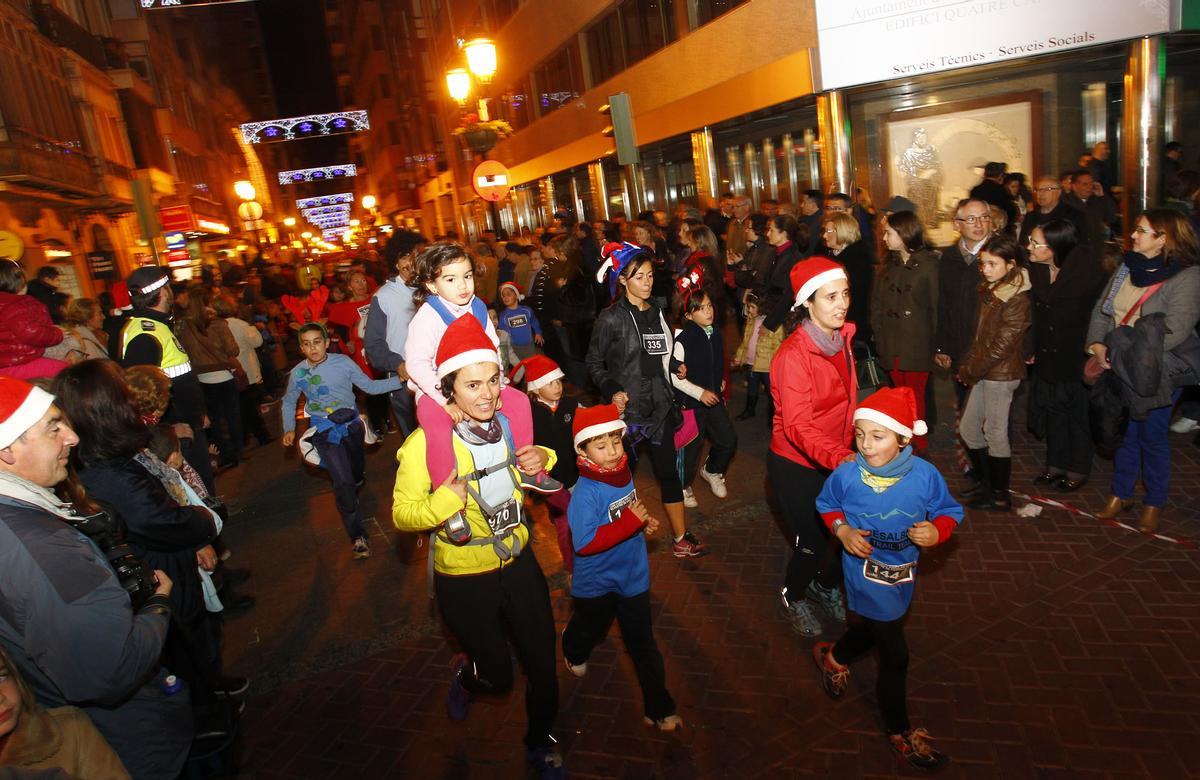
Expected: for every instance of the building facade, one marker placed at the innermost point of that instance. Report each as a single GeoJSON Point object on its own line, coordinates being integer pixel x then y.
{"type": "Point", "coordinates": [112, 117]}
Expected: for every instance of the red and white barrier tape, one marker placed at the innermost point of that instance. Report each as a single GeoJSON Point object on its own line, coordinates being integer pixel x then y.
{"type": "Point", "coordinates": [1056, 504]}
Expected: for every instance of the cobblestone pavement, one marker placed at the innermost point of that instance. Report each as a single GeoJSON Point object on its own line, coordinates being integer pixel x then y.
{"type": "Point", "coordinates": [1054, 646]}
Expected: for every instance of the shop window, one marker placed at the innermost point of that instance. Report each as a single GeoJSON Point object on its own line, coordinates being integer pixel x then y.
{"type": "Point", "coordinates": [707, 10]}
{"type": "Point", "coordinates": [559, 80]}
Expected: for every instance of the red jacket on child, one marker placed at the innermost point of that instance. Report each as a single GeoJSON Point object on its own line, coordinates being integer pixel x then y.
{"type": "Point", "coordinates": [814, 396]}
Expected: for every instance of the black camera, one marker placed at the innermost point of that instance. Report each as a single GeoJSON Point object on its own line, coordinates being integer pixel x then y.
{"type": "Point", "coordinates": [106, 529]}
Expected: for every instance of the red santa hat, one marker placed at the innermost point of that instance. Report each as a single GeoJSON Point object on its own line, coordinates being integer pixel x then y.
{"type": "Point", "coordinates": [21, 406]}
{"type": "Point", "coordinates": [812, 274]}
{"type": "Point", "coordinates": [593, 421]}
{"type": "Point", "coordinates": [537, 371]}
{"type": "Point", "coordinates": [895, 408]}
{"type": "Point", "coordinates": [120, 294]}
{"type": "Point", "coordinates": [463, 344]}
{"type": "Point", "coordinates": [515, 288]}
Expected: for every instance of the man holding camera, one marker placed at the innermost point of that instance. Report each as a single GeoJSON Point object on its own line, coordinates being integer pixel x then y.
{"type": "Point", "coordinates": [65, 618]}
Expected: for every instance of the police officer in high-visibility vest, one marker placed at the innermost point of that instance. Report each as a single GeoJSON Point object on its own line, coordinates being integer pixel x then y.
{"type": "Point", "coordinates": [147, 340]}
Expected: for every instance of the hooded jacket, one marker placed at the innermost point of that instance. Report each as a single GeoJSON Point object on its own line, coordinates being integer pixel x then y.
{"type": "Point", "coordinates": [25, 329]}
{"type": "Point", "coordinates": [997, 354]}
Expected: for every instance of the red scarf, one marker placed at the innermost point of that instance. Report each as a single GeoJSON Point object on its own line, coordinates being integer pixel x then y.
{"type": "Point", "coordinates": [618, 476]}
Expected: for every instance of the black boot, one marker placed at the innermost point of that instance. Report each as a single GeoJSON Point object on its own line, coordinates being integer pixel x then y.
{"type": "Point", "coordinates": [748, 412]}
{"type": "Point", "coordinates": [979, 471]}
{"type": "Point", "coordinates": [997, 497]}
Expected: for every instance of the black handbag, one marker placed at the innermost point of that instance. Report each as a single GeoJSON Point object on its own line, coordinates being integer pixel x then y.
{"type": "Point", "coordinates": [869, 368]}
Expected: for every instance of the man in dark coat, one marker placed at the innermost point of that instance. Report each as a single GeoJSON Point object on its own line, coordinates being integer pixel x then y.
{"type": "Point", "coordinates": [45, 289]}
{"type": "Point", "coordinates": [1048, 194]}
{"type": "Point", "coordinates": [992, 190]}
{"type": "Point", "coordinates": [65, 619]}
{"type": "Point", "coordinates": [1099, 213]}
{"type": "Point", "coordinates": [958, 282]}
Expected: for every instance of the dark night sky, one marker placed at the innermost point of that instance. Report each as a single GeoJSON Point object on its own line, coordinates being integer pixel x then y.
{"type": "Point", "coordinates": [302, 72]}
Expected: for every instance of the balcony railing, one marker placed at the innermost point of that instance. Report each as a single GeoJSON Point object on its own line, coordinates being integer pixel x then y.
{"type": "Point", "coordinates": [39, 162]}
{"type": "Point", "coordinates": [66, 32]}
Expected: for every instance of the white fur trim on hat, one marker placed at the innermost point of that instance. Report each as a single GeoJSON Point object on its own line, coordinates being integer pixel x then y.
{"type": "Point", "coordinates": [817, 282]}
{"type": "Point", "coordinates": [25, 416]}
{"type": "Point", "coordinates": [470, 357]}
{"type": "Point", "coordinates": [516, 290]}
{"type": "Point", "coordinates": [542, 381]}
{"type": "Point", "coordinates": [599, 429]}
{"type": "Point", "coordinates": [874, 415]}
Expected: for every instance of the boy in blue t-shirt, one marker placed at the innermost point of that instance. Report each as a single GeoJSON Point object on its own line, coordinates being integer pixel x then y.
{"type": "Point", "coordinates": [519, 322]}
{"type": "Point", "coordinates": [327, 381]}
{"type": "Point", "coordinates": [883, 506]}
{"type": "Point", "coordinates": [612, 570]}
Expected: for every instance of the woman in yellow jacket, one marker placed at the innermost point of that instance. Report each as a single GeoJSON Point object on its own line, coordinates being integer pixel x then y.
{"type": "Point", "coordinates": [489, 586]}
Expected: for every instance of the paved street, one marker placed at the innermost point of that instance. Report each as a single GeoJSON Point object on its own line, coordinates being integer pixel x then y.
{"type": "Point", "coordinates": [1055, 646]}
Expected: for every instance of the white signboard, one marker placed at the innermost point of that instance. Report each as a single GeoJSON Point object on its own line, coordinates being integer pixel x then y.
{"type": "Point", "coordinates": [864, 41]}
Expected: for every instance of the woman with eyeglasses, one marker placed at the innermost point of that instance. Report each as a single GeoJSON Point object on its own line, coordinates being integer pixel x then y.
{"type": "Point", "coordinates": [1159, 277]}
{"type": "Point", "coordinates": [1066, 277]}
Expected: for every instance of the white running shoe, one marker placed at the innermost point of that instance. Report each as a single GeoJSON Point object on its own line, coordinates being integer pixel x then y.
{"type": "Point", "coordinates": [1185, 425]}
{"type": "Point", "coordinates": [715, 481]}
{"type": "Point", "coordinates": [689, 499]}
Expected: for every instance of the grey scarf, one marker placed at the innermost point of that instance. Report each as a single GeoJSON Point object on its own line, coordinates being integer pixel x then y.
{"type": "Point", "coordinates": [28, 493]}
{"type": "Point", "coordinates": [829, 345]}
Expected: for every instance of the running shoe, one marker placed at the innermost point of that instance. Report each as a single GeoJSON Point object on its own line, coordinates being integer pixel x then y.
{"type": "Point", "coordinates": [802, 615]}
{"type": "Point", "coordinates": [829, 600]}
{"type": "Point", "coordinates": [834, 676]}
{"type": "Point", "coordinates": [361, 549]}
{"type": "Point", "coordinates": [715, 481]}
{"type": "Point", "coordinates": [547, 762]}
{"type": "Point", "coordinates": [540, 482]}
{"type": "Point", "coordinates": [913, 746]}
{"type": "Point", "coordinates": [689, 547]}
{"type": "Point", "coordinates": [669, 723]}
{"type": "Point", "coordinates": [689, 499]}
{"type": "Point", "coordinates": [579, 670]}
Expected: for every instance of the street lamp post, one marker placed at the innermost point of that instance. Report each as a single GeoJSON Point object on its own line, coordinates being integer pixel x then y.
{"type": "Point", "coordinates": [482, 64]}
{"type": "Point", "coordinates": [251, 210]}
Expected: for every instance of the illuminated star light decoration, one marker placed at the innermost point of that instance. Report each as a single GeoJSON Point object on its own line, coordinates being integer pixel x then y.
{"type": "Point", "coordinates": [333, 234]}
{"type": "Point", "coordinates": [326, 211]}
{"type": "Point", "coordinates": [311, 126]}
{"type": "Point", "coordinates": [318, 174]}
{"type": "Point", "coordinates": [325, 200]}
{"type": "Point", "coordinates": [329, 222]}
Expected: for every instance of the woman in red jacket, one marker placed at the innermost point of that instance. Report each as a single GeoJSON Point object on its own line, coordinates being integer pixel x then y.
{"type": "Point", "coordinates": [25, 329]}
{"type": "Point", "coordinates": [814, 388]}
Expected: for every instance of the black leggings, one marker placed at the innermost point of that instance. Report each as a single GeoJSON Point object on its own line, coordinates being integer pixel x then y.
{"type": "Point", "coordinates": [888, 635]}
{"type": "Point", "coordinates": [479, 608]}
{"type": "Point", "coordinates": [817, 554]}
{"type": "Point", "coordinates": [589, 625]}
{"type": "Point", "coordinates": [664, 461]}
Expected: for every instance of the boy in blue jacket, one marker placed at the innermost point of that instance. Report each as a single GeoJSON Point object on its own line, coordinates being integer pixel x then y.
{"type": "Point", "coordinates": [883, 506]}
{"type": "Point", "coordinates": [612, 570]}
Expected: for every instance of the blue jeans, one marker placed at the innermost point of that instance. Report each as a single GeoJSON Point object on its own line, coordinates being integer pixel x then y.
{"type": "Point", "coordinates": [345, 462]}
{"type": "Point", "coordinates": [1146, 449]}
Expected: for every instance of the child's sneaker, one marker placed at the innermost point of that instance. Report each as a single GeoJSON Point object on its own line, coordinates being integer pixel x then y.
{"type": "Point", "coordinates": [688, 546]}
{"type": "Point", "coordinates": [913, 745]}
{"type": "Point", "coordinates": [689, 499]}
{"type": "Point", "coordinates": [540, 482]}
{"type": "Point", "coordinates": [829, 600]}
{"type": "Point", "coordinates": [360, 548]}
{"type": "Point", "coordinates": [458, 698]}
{"type": "Point", "coordinates": [669, 723]}
{"type": "Point", "coordinates": [715, 481]}
{"type": "Point", "coordinates": [547, 762]}
{"type": "Point", "coordinates": [802, 615]}
{"type": "Point", "coordinates": [834, 676]}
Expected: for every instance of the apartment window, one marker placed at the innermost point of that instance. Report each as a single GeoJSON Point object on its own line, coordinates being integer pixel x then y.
{"type": "Point", "coordinates": [707, 10]}
{"type": "Point", "coordinates": [559, 80]}
{"type": "Point", "coordinates": [628, 34]}
{"type": "Point", "coordinates": [513, 105]}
